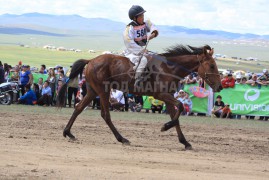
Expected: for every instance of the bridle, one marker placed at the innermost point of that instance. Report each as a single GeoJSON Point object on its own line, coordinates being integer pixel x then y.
{"type": "Point", "coordinates": [206, 74]}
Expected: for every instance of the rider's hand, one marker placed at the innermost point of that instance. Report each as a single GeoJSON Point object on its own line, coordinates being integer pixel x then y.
{"type": "Point", "coordinates": [153, 35]}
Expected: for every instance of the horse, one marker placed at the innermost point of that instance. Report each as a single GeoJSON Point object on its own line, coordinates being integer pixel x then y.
{"type": "Point", "coordinates": [162, 76]}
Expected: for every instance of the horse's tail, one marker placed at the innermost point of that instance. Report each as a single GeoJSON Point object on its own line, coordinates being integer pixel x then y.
{"type": "Point", "coordinates": [77, 69]}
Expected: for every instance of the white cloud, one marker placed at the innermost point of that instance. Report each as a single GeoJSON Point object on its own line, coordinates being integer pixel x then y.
{"type": "Point", "coordinates": [235, 16]}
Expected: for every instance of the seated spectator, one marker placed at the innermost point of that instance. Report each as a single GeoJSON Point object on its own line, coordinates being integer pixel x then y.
{"type": "Point", "coordinates": [117, 100]}
{"type": "Point", "coordinates": [43, 69]}
{"type": "Point", "coordinates": [228, 82]}
{"type": "Point", "coordinates": [156, 105]}
{"type": "Point", "coordinates": [29, 98]}
{"type": "Point", "coordinates": [191, 79]}
{"type": "Point", "coordinates": [238, 79]}
{"type": "Point", "coordinates": [226, 112]}
{"type": "Point", "coordinates": [36, 90]}
{"type": "Point", "coordinates": [131, 102]}
{"type": "Point", "coordinates": [218, 106]}
{"type": "Point", "coordinates": [45, 98]}
{"type": "Point", "coordinates": [187, 103]}
{"type": "Point", "coordinates": [40, 85]}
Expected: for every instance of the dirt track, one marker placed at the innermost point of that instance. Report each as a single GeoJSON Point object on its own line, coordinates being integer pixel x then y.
{"type": "Point", "coordinates": [34, 148]}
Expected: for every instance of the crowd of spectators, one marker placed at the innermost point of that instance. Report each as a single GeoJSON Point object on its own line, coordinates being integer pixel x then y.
{"type": "Point", "coordinates": [44, 92]}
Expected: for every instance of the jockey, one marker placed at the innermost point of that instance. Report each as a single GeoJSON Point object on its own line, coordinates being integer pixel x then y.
{"type": "Point", "coordinates": [135, 37]}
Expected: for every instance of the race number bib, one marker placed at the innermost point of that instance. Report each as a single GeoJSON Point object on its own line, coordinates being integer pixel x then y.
{"type": "Point", "coordinates": [140, 33]}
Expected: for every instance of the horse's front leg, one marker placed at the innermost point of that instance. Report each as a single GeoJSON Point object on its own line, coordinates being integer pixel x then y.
{"type": "Point", "coordinates": [174, 109]}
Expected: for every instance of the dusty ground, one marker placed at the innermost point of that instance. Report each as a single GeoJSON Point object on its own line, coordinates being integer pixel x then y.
{"type": "Point", "coordinates": [32, 147]}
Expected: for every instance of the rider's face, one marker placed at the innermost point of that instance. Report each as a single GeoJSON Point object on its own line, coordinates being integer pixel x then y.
{"type": "Point", "coordinates": [140, 19]}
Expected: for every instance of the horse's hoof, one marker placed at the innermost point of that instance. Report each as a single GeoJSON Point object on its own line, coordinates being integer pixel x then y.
{"type": "Point", "coordinates": [188, 147]}
{"type": "Point", "coordinates": [126, 142]}
{"type": "Point", "coordinates": [68, 133]}
{"type": "Point", "coordinates": [163, 129]}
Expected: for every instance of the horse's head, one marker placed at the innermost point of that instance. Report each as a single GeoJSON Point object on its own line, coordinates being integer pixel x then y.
{"type": "Point", "coordinates": [208, 69]}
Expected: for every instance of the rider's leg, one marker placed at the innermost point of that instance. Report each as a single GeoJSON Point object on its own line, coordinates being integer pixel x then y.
{"type": "Point", "coordinates": [139, 74]}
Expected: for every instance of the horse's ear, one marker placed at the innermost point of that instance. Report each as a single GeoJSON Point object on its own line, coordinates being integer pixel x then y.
{"type": "Point", "coordinates": [211, 52]}
{"type": "Point", "coordinates": [205, 51]}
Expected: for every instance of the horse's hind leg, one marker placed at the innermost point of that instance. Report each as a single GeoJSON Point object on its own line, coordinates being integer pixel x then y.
{"type": "Point", "coordinates": [78, 109]}
{"type": "Point", "coordinates": [106, 116]}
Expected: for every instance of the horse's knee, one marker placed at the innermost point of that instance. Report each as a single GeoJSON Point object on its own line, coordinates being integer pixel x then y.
{"type": "Point", "coordinates": [180, 107]}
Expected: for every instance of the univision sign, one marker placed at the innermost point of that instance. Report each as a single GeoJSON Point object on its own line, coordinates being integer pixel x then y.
{"type": "Point", "coordinates": [252, 94]}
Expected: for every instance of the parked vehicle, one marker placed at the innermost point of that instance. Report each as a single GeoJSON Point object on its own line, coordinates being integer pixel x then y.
{"type": "Point", "coordinates": [8, 91]}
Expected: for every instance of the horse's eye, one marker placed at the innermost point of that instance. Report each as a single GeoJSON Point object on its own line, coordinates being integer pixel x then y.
{"type": "Point", "coordinates": [212, 66]}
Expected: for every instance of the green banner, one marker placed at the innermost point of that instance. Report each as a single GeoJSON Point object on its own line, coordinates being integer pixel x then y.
{"type": "Point", "coordinates": [246, 99]}
{"type": "Point", "coordinates": [36, 76]}
{"type": "Point", "coordinates": [199, 105]}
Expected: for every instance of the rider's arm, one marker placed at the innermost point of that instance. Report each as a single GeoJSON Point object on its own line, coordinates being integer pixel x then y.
{"type": "Point", "coordinates": [151, 28]}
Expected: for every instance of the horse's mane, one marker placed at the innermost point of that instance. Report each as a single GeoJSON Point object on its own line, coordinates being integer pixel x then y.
{"type": "Point", "coordinates": [180, 50]}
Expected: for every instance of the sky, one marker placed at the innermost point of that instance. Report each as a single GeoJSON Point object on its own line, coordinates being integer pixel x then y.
{"type": "Point", "coordinates": [240, 16]}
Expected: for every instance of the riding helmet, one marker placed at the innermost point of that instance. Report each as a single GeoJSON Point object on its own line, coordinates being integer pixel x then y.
{"type": "Point", "coordinates": [135, 10]}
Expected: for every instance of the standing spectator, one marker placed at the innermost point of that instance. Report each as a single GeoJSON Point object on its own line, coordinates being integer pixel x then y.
{"type": "Point", "coordinates": [43, 69]}
{"type": "Point", "coordinates": [16, 74]}
{"type": "Point", "coordinates": [25, 78]}
{"type": "Point", "coordinates": [190, 79]}
{"type": "Point", "coordinates": [52, 82]}
{"type": "Point", "coordinates": [45, 99]}
{"type": "Point", "coordinates": [58, 68]}
{"type": "Point", "coordinates": [238, 79]}
{"type": "Point", "coordinates": [181, 95]}
{"type": "Point", "coordinates": [226, 112]}
{"type": "Point", "coordinates": [2, 73]}
{"type": "Point", "coordinates": [228, 82]}
{"type": "Point", "coordinates": [218, 106]}
{"type": "Point", "coordinates": [156, 105]}
{"type": "Point", "coordinates": [72, 90]}
{"type": "Point", "coordinates": [96, 103]}
{"type": "Point", "coordinates": [265, 75]}
{"type": "Point", "coordinates": [244, 80]}
{"type": "Point", "coordinates": [253, 81]}
{"type": "Point", "coordinates": [62, 76]}
{"type": "Point", "coordinates": [29, 98]}
{"type": "Point", "coordinates": [6, 71]}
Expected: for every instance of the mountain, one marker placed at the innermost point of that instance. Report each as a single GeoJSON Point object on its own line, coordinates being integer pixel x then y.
{"type": "Point", "coordinates": [71, 22]}
{"type": "Point", "coordinates": [36, 23]}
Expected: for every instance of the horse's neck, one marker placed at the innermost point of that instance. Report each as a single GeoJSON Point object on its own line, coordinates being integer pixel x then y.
{"type": "Point", "coordinates": [185, 64]}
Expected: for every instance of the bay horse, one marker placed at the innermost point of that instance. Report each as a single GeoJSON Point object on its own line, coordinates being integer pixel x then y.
{"type": "Point", "coordinates": [163, 74]}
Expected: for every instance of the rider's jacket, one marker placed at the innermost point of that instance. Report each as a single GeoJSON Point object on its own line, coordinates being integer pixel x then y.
{"type": "Point", "coordinates": [135, 36]}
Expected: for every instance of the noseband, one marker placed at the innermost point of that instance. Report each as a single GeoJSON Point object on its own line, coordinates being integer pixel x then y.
{"type": "Point", "coordinates": [206, 74]}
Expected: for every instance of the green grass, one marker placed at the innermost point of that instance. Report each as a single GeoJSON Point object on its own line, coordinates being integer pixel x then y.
{"type": "Point", "coordinates": [146, 117]}
{"type": "Point", "coordinates": [37, 56]}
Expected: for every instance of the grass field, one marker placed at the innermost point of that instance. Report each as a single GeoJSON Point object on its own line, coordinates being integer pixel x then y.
{"type": "Point", "coordinates": [37, 56]}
